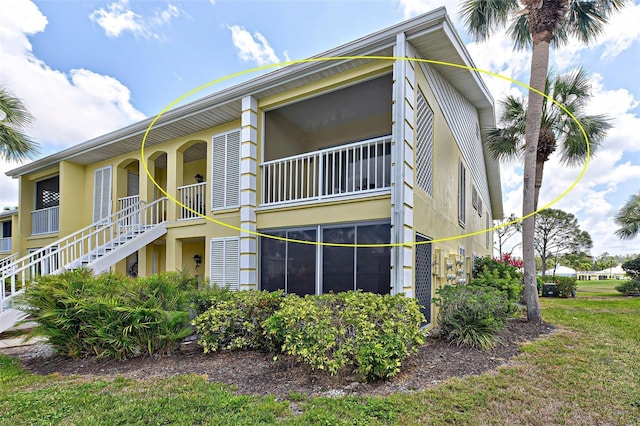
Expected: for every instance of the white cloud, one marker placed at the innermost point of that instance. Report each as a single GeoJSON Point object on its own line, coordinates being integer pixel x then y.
{"type": "Point", "coordinates": [621, 31]}
{"type": "Point", "coordinates": [252, 47]}
{"type": "Point", "coordinates": [69, 108]}
{"type": "Point", "coordinates": [412, 8]}
{"type": "Point", "coordinates": [119, 18]}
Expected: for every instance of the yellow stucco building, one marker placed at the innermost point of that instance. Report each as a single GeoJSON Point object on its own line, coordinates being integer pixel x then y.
{"type": "Point", "coordinates": [365, 151]}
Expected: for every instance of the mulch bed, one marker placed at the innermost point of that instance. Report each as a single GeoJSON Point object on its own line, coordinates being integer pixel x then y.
{"type": "Point", "coordinates": [255, 373]}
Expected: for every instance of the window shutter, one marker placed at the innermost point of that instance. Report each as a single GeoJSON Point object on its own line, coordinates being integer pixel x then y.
{"type": "Point", "coordinates": [225, 188]}
{"type": "Point", "coordinates": [224, 267]}
{"type": "Point", "coordinates": [232, 197]}
{"type": "Point", "coordinates": [462, 198]}
{"type": "Point", "coordinates": [101, 194]}
{"type": "Point", "coordinates": [424, 144]}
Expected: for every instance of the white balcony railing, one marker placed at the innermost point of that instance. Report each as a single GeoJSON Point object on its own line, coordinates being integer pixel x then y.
{"type": "Point", "coordinates": [344, 170]}
{"type": "Point", "coordinates": [5, 245]}
{"type": "Point", "coordinates": [45, 221]}
{"type": "Point", "coordinates": [192, 196]}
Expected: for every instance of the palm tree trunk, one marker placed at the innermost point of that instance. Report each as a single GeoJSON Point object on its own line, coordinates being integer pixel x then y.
{"type": "Point", "coordinates": [539, 68]}
{"type": "Point", "coordinates": [538, 183]}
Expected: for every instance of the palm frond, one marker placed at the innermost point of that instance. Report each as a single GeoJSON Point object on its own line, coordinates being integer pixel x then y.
{"type": "Point", "coordinates": [585, 20]}
{"type": "Point", "coordinates": [16, 112]}
{"type": "Point", "coordinates": [574, 146]}
{"type": "Point", "coordinates": [513, 113]}
{"type": "Point", "coordinates": [504, 144]}
{"type": "Point", "coordinates": [16, 145]}
{"type": "Point", "coordinates": [628, 218]}
{"type": "Point", "coordinates": [520, 33]}
{"type": "Point", "coordinates": [483, 17]}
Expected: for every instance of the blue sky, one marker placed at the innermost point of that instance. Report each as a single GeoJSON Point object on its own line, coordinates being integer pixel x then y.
{"type": "Point", "coordinates": [87, 67]}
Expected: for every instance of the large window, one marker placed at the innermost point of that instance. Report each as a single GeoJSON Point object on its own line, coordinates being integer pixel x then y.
{"type": "Point", "coordinates": [287, 265]}
{"type": "Point", "coordinates": [292, 267]}
{"type": "Point", "coordinates": [356, 268]}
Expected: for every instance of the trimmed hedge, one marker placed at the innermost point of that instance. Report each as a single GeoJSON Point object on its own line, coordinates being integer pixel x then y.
{"type": "Point", "coordinates": [109, 316]}
{"type": "Point", "coordinates": [235, 322]}
{"type": "Point", "coordinates": [371, 332]}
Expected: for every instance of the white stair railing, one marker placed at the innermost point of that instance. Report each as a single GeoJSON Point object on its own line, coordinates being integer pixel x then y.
{"type": "Point", "coordinates": [79, 248]}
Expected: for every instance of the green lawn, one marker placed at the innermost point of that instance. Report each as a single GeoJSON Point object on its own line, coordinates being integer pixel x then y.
{"type": "Point", "coordinates": [602, 288]}
{"type": "Point", "coordinates": [585, 373]}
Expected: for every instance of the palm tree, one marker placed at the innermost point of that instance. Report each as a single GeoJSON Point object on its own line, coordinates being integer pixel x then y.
{"type": "Point", "coordinates": [628, 218]}
{"type": "Point", "coordinates": [15, 145]}
{"type": "Point", "coordinates": [557, 130]}
{"type": "Point", "coordinates": [539, 24]}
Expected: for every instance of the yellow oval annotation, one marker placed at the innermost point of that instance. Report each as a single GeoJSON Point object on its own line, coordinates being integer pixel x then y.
{"type": "Point", "coordinates": [342, 58]}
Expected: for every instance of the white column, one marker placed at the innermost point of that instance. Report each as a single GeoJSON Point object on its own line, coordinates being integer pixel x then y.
{"type": "Point", "coordinates": [403, 164]}
{"type": "Point", "coordinates": [248, 194]}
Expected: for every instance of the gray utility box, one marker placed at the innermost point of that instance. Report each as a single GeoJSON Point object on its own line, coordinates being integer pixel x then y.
{"type": "Point", "coordinates": [549, 290]}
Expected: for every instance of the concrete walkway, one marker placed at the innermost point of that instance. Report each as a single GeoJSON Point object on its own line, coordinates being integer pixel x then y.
{"type": "Point", "coordinates": [15, 341]}
{"type": "Point", "coordinates": [19, 341]}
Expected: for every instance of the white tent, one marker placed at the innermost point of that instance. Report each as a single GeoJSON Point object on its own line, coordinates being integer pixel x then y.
{"type": "Point", "coordinates": [560, 271]}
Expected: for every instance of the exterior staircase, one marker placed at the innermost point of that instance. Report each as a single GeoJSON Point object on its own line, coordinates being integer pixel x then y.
{"type": "Point", "coordinates": [96, 247]}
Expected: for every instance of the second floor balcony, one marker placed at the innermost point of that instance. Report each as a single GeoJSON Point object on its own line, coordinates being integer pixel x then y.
{"type": "Point", "coordinates": [355, 168]}
{"type": "Point", "coordinates": [45, 221]}
{"type": "Point", "coordinates": [5, 245]}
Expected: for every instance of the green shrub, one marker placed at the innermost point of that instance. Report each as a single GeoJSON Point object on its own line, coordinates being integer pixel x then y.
{"type": "Point", "coordinates": [540, 283]}
{"type": "Point", "coordinates": [373, 333]}
{"type": "Point", "coordinates": [201, 300]}
{"type": "Point", "coordinates": [629, 287]}
{"type": "Point", "coordinates": [236, 322]}
{"type": "Point", "coordinates": [503, 268]}
{"type": "Point", "coordinates": [109, 316]}
{"type": "Point", "coordinates": [632, 267]}
{"type": "Point", "coordinates": [488, 272]}
{"type": "Point", "coordinates": [511, 286]}
{"type": "Point", "coordinates": [472, 315]}
{"type": "Point", "coordinates": [565, 286]}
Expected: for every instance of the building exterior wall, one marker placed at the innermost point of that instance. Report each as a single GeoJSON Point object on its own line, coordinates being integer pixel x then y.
{"type": "Point", "coordinates": [408, 209]}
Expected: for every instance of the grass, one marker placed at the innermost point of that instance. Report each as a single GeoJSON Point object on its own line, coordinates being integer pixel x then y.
{"type": "Point", "coordinates": [604, 288]}
{"type": "Point", "coordinates": [585, 373]}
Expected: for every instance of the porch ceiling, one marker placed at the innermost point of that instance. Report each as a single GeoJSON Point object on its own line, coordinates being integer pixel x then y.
{"type": "Point", "coordinates": [369, 99]}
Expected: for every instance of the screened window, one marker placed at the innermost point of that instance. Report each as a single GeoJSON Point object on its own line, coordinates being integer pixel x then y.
{"type": "Point", "coordinates": [6, 229]}
{"type": "Point", "coordinates": [48, 193]}
{"type": "Point", "coordinates": [287, 265]}
{"type": "Point", "coordinates": [357, 268]}
{"type": "Point", "coordinates": [225, 172]}
{"type": "Point", "coordinates": [292, 267]}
